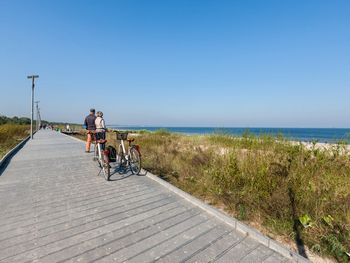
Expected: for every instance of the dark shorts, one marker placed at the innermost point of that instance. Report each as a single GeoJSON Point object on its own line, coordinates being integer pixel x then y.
{"type": "Point", "coordinates": [101, 136]}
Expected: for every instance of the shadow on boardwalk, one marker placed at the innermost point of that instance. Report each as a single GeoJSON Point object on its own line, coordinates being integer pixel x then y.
{"type": "Point", "coordinates": [121, 172]}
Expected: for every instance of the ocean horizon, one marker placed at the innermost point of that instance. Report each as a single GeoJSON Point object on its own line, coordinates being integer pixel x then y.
{"type": "Point", "coordinates": [325, 135]}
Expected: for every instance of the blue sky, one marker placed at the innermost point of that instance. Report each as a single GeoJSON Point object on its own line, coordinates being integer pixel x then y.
{"type": "Point", "coordinates": [179, 63]}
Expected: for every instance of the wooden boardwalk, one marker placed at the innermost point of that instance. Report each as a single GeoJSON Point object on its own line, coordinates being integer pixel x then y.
{"type": "Point", "coordinates": [54, 208]}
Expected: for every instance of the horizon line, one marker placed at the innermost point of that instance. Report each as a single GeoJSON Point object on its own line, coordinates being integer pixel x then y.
{"type": "Point", "coordinates": [223, 127]}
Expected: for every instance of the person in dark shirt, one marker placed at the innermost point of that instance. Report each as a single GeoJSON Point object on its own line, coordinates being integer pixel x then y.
{"type": "Point", "coordinates": [90, 126]}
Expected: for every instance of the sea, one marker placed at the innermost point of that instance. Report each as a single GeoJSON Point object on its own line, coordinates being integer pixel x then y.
{"type": "Point", "coordinates": [325, 135]}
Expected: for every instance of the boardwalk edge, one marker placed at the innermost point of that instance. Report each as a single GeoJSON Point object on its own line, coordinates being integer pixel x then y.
{"type": "Point", "coordinates": [236, 224]}
{"type": "Point", "coordinates": [72, 137]}
{"type": "Point", "coordinates": [11, 153]}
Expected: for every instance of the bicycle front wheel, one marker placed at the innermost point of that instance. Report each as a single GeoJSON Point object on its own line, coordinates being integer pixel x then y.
{"type": "Point", "coordinates": [135, 161]}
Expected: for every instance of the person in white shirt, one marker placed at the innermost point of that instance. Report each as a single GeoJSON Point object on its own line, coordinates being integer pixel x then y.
{"type": "Point", "coordinates": [100, 128]}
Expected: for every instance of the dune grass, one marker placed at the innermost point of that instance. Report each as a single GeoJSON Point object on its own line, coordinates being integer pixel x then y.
{"type": "Point", "coordinates": [287, 191]}
{"type": "Point", "coordinates": [11, 135]}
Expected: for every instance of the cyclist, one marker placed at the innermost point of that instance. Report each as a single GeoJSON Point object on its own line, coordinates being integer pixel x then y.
{"type": "Point", "coordinates": [100, 128]}
{"type": "Point", "coordinates": [90, 126]}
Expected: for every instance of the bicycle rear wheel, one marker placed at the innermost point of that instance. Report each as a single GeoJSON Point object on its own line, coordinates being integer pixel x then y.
{"type": "Point", "coordinates": [135, 161]}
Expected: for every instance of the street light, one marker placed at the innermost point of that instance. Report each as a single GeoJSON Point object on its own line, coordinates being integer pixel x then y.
{"type": "Point", "coordinates": [37, 115]}
{"type": "Point", "coordinates": [33, 77]}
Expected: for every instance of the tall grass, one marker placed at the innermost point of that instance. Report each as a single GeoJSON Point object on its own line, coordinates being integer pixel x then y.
{"type": "Point", "coordinates": [11, 135]}
{"type": "Point", "coordinates": [282, 187]}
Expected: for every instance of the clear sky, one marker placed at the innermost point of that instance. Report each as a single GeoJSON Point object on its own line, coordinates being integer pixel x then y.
{"type": "Point", "coordinates": [179, 63]}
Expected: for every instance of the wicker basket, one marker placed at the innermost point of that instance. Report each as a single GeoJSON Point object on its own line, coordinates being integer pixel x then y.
{"type": "Point", "coordinates": [122, 136]}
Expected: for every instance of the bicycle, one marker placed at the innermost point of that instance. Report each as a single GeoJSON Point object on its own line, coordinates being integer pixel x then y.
{"type": "Point", "coordinates": [130, 157]}
{"type": "Point", "coordinates": [102, 157]}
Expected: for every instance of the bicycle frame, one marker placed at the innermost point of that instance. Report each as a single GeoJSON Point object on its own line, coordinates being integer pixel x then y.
{"type": "Point", "coordinates": [102, 157]}
{"type": "Point", "coordinates": [123, 146]}
{"type": "Point", "coordinates": [126, 155]}
{"type": "Point", "coordinates": [99, 151]}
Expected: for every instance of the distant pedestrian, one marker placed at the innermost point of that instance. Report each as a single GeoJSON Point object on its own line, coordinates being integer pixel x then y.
{"type": "Point", "coordinates": [100, 128]}
{"type": "Point", "coordinates": [90, 126]}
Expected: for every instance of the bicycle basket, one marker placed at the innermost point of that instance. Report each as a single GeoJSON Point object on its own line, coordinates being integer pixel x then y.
{"type": "Point", "coordinates": [122, 136]}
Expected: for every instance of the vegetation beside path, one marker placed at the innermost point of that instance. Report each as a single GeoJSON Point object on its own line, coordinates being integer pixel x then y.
{"type": "Point", "coordinates": [287, 191]}
{"type": "Point", "coordinates": [11, 135]}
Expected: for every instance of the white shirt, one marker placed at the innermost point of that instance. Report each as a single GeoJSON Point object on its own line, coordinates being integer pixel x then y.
{"type": "Point", "coordinates": [100, 124]}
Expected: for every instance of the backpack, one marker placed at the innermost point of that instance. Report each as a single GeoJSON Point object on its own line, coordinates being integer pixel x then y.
{"type": "Point", "coordinates": [112, 154]}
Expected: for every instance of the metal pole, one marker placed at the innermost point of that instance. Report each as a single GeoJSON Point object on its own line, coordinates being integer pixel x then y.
{"type": "Point", "coordinates": [37, 115]}
{"type": "Point", "coordinates": [31, 120]}
{"type": "Point", "coordinates": [32, 112]}
{"type": "Point", "coordinates": [39, 118]}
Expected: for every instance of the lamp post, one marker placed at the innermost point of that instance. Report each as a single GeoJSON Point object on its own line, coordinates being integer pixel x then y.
{"type": "Point", "coordinates": [33, 77]}
{"type": "Point", "coordinates": [37, 115]}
